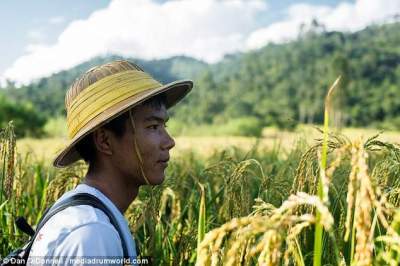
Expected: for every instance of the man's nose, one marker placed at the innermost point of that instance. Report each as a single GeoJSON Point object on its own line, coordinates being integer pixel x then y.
{"type": "Point", "coordinates": [168, 142]}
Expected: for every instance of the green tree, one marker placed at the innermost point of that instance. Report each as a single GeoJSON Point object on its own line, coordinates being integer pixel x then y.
{"type": "Point", "coordinates": [27, 120]}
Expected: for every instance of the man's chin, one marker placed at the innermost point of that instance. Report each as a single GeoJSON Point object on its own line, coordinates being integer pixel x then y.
{"type": "Point", "coordinates": [157, 180]}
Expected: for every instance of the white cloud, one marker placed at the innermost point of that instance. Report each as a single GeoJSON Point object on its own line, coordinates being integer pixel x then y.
{"type": "Point", "coordinates": [205, 29]}
{"type": "Point", "coordinates": [343, 17]}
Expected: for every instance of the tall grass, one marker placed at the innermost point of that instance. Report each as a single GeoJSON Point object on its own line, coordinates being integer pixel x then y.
{"type": "Point", "coordinates": [322, 182]}
{"type": "Point", "coordinates": [253, 207]}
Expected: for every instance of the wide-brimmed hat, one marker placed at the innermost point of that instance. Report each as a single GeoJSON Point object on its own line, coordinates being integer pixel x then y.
{"type": "Point", "coordinates": [109, 97]}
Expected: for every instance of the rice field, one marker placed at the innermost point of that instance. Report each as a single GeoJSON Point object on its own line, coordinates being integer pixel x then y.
{"type": "Point", "coordinates": [254, 205]}
{"type": "Point", "coordinates": [45, 149]}
{"type": "Point", "coordinates": [304, 198]}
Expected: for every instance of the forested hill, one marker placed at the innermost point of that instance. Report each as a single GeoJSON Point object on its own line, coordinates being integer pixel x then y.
{"type": "Point", "coordinates": [48, 93]}
{"type": "Point", "coordinates": [279, 84]}
{"type": "Point", "coordinates": [285, 84]}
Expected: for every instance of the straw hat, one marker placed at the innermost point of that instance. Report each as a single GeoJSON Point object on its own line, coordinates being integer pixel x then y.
{"type": "Point", "coordinates": [105, 92]}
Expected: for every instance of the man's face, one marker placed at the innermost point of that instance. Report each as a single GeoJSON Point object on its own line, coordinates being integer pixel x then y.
{"type": "Point", "coordinates": [153, 142]}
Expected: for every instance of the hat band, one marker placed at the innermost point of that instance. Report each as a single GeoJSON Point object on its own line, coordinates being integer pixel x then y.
{"type": "Point", "coordinates": [104, 94]}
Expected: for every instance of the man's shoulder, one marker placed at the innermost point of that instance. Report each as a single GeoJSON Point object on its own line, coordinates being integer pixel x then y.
{"type": "Point", "coordinates": [78, 227]}
{"type": "Point", "coordinates": [82, 224]}
{"type": "Point", "coordinates": [74, 217]}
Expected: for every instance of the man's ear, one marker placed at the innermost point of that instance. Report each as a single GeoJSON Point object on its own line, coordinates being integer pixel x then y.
{"type": "Point", "coordinates": [102, 141]}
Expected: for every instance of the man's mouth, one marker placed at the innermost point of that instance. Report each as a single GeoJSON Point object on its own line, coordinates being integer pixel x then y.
{"type": "Point", "coordinates": [164, 162]}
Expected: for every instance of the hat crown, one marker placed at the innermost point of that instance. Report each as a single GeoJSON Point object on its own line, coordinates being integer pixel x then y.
{"type": "Point", "coordinates": [95, 74]}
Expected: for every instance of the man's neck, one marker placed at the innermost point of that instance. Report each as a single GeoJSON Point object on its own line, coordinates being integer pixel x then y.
{"type": "Point", "coordinates": [119, 192]}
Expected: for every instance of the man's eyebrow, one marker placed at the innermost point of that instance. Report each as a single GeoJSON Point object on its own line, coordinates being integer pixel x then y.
{"type": "Point", "coordinates": [160, 119]}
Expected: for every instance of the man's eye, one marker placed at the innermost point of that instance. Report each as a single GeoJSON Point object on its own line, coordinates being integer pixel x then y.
{"type": "Point", "coordinates": [153, 127]}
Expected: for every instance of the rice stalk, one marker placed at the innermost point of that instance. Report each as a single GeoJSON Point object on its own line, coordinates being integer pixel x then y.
{"type": "Point", "coordinates": [305, 177]}
{"type": "Point", "coordinates": [390, 255]}
{"type": "Point", "coordinates": [169, 195]}
{"type": "Point", "coordinates": [17, 187]}
{"type": "Point", "coordinates": [322, 194]}
{"type": "Point", "coordinates": [60, 184]}
{"type": "Point", "coordinates": [10, 162]}
{"type": "Point", "coordinates": [295, 249]}
{"type": "Point", "coordinates": [237, 195]}
{"type": "Point", "coordinates": [8, 146]}
{"type": "Point", "coordinates": [3, 150]}
{"type": "Point", "coordinates": [135, 215]}
{"type": "Point", "coordinates": [201, 230]}
{"type": "Point", "coordinates": [362, 213]}
{"type": "Point", "coordinates": [362, 198]}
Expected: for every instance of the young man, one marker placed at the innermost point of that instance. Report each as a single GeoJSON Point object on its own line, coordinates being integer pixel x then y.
{"type": "Point", "coordinates": [116, 115]}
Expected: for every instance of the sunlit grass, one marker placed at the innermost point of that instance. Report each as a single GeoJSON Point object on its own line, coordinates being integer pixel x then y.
{"type": "Point", "coordinates": [47, 148]}
{"type": "Point", "coordinates": [258, 204]}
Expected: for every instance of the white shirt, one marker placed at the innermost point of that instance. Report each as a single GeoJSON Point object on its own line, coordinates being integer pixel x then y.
{"type": "Point", "coordinates": [81, 231]}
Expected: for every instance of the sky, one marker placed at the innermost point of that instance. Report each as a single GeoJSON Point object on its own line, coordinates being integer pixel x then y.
{"type": "Point", "coordinates": [41, 37]}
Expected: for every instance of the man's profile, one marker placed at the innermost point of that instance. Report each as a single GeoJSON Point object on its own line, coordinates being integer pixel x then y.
{"type": "Point", "coordinates": [116, 116]}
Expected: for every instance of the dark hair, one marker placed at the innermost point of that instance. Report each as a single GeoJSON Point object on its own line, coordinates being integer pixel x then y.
{"type": "Point", "coordinates": [86, 148]}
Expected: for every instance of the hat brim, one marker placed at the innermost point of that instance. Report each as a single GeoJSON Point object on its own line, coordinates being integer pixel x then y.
{"type": "Point", "coordinates": [174, 92]}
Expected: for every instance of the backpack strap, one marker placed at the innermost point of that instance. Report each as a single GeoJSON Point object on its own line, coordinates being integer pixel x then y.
{"type": "Point", "coordinates": [75, 200]}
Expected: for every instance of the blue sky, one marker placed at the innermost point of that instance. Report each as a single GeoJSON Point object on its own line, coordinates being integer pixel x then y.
{"type": "Point", "coordinates": [45, 36]}
{"type": "Point", "coordinates": [25, 22]}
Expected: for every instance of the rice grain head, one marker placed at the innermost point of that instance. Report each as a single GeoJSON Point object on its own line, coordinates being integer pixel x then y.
{"type": "Point", "coordinates": [9, 146]}
{"type": "Point", "coordinates": [266, 233]}
{"type": "Point", "coordinates": [362, 214]}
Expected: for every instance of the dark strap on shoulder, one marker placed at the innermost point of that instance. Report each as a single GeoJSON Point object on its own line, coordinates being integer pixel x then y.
{"type": "Point", "coordinates": [75, 200]}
